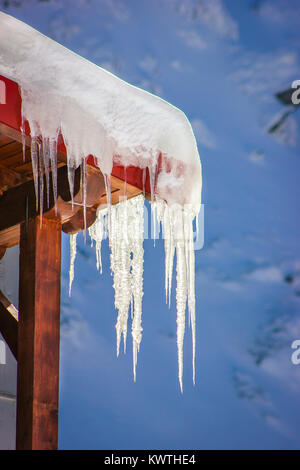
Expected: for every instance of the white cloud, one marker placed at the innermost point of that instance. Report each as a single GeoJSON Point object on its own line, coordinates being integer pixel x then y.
{"type": "Point", "coordinates": [281, 13]}
{"type": "Point", "coordinates": [264, 73]}
{"type": "Point", "coordinates": [176, 64]}
{"type": "Point", "coordinates": [211, 13]}
{"type": "Point", "coordinates": [257, 157]}
{"type": "Point", "coordinates": [192, 39]}
{"type": "Point", "coordinates": [74, 329]}
{"type": "Point", "coordinates": [151, 86]}
{"type": "Point", "coordinates": [203, 135]}
{"type": "Point", "coordinates": [266, 274]}
{"type": "Point", "coordinates": [149, 64]}
{"type": "Point", "coordinates": [115, 8]}
{"type": "Point", "coordinates": [62, 29]}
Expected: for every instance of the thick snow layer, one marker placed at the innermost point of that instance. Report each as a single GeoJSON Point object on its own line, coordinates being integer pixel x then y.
{"type": "Point", "coordinates": [98, 113]}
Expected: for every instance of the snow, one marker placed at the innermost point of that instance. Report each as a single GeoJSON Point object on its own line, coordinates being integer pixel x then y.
{"type": "Point", "coordinates": [101, 115]}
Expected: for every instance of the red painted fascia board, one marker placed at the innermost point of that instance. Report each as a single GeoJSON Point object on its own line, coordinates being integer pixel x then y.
{"type": "Point", "coordinates": [10, 115]}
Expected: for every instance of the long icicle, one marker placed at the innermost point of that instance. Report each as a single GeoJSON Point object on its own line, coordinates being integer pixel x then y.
{"type": "Point", "coordinates": [97, 233]}
{"type": "Point", "coordinates": [35, 168]}
{"type": "Point", "coordinates": [53, 160]}
{"type": "Point", "coordinates": [41, 179]}
{"type": "Point", "coordinates": [73, 250]}
{"type": "Point", "coordinates": [177, 225]}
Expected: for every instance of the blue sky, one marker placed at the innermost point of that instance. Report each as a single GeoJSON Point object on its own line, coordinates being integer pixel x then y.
{"type": "Point", "coordinates": [221, 63]}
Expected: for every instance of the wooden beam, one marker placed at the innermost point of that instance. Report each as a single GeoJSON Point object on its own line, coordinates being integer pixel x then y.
{"type": "Point", "coordinates": [14, 134]}
{"type": "Point", "coordinates": [8, 324]}
{"type": "Point", "coordinates": [38, 335]}
{"type": "Point", "coordinates": [9, 306]}
{"type": "Point", "coordinates": [79, 221]}
{"type": "Point", "coordinates": [18, 203]}
{"type": "Point", "coordinates": [9, 178]}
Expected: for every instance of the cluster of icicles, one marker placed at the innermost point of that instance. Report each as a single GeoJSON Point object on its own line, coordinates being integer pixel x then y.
{"type": "Point", "coordinates": [123, 223]}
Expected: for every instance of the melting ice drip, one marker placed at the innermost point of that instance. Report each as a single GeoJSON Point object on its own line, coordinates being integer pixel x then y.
{"type": "Point", "coordinates": [177, 225]}
{"type": "Point", "coordinates": [126, 242]}
{"type": "Point", "coordinates": [43, 156]}
{"type": "Point", "coordinates": [73, 249]}
{"type": "Point", "coordinates": [127, 257]}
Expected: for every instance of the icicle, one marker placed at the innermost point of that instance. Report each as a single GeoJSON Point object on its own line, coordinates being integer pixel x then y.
{"type": "Point", "coordinates": [120, 266]}
{"type": "Point", "coordinates": [126, 241]}
{"type": "Point", "coordinates": [73, 250]}
{"type": "Point", "coordinates": [108, 199]}
{"type": "Point", "coordinates": [71, 177]}
{"type": "Point", "coordinates": [41, 179]}
{"type": "Point", "coordinates": [125, 181]}
{"type": "Point", "coordinates": [35, 168]}
{"type": "Point", "coordinates": [136, 225]}
{"type": "Point", "coordinates": [169, 252]}
{"type": "Point", "coordinates": [177, 224]}
{"type": "Point", "coordinates": [155, 220]}
{"type": "Point", "coordinates": [46, 161]}
{"type": "Point", "coordinates": [84, 192]}
{"type": "Point", "coordinates": [144, 180]}
{"type": "Point", "coordinates": [189, 241]}
{"type": "Point", "coordinates": [152, 169]}
{"type": "Point", "coordinates": [23, 138]}
{"type": "Point", "coordinates": [53, 160]}
{"type": "Point", "coordinates": [97, 232]}
{"type": "Point", "coordinates": [181, 304]}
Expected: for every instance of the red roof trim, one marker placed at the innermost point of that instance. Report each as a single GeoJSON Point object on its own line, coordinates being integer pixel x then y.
{"type": "Point", "coordinates": [10, 115]}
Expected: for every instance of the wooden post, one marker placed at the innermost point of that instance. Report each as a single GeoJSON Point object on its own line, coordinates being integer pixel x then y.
{"type": "Point", "coordinates": [38, 334]}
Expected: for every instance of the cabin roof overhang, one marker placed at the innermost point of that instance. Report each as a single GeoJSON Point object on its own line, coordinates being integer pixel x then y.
{"type": "Point", "coordinates": [16, 175]}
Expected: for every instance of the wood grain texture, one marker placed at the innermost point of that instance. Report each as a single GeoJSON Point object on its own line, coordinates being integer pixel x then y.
{"type": "Point", "coordinates": [38, 335]}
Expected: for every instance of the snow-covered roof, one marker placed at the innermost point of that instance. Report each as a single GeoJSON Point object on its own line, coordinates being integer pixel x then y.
{"type": "Point", "coordinates": [101, 115]}
{"type": "Point", "coordinates": [98, 113]}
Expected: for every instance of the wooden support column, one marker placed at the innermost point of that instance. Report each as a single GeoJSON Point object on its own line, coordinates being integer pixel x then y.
{"type": "Point", "coordinates": [38, 334]}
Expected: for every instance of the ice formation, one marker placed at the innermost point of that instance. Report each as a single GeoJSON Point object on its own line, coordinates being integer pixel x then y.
{"type": "Point", "coordinates": [98, 114]}
{"type": "Point", "coordinates": [73, 249]}
{"type": "Point", "coordinates": [126, 238]}
{"type": "Point", "coordinates": [127, 257]}
{"type": "Point", "coordinates": [177, 225]}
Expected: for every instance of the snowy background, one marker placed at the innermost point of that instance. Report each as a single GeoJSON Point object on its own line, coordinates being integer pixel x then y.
{"type": "Point", "coordinates": [222, 63]}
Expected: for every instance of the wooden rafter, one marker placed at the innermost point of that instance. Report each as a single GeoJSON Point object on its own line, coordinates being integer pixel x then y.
{"type": "Point", "coordinates": [9, 324]}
